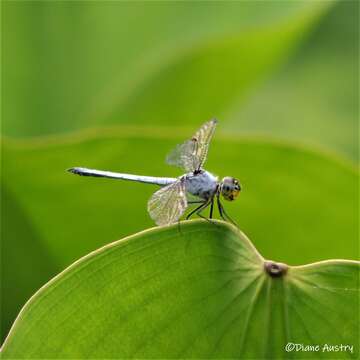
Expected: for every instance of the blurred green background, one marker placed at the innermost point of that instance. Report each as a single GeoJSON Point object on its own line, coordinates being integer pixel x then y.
{"type": "Point", "coordinates": [116, 85]}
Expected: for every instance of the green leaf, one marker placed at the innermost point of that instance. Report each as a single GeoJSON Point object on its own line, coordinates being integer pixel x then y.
{"type": "Point", "coordinates": [25, 263]}
{"type": "Point", "coordinates": [198, 291]}
{"type": "Point", "coordinates": [92, 63]}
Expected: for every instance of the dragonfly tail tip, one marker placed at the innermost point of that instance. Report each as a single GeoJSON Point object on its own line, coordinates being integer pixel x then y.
{"type": "Point", "coordinates": [74, 170]}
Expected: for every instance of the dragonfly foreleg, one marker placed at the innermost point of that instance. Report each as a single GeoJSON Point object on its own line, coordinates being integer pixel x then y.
{"type": "Point", "coordinates": [220, 208]}
{"type": "Point", "coordinates": [223, 213]}
{"type": "Point", "coordinates": [211, 207]}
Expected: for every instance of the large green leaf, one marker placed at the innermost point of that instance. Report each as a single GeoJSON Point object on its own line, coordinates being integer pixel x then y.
{"type": "Point", "coordinates": [198, 291]}
{"type": "Point", "coordinates": [87, 63]}
{"type": "Point", "coordinates": [25, 261]}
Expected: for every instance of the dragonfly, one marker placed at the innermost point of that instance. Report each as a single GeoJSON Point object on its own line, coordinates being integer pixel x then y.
{"type": "Point", "coordinates": [197, 186]}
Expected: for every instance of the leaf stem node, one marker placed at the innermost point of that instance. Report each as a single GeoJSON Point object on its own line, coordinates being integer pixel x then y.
{"type": "Point", "coordinates": [275, 269]}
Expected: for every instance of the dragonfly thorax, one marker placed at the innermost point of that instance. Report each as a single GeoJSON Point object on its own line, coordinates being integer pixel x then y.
{"type": "Point", "coordinates": [202, 184]}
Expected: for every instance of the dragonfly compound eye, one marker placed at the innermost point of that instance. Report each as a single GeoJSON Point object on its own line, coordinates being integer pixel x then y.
{"type": "Point", "coordinates": [230, 188]}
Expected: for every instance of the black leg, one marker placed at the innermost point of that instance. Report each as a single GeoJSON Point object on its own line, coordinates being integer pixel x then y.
{"type": "Point", "coordinates": [198, 212]}
{"type": "Point", "coordinates": [195, 210]}
{"type": "Point", "coordinates": [223, 214]}
{"type": "Point", "coordinates": [211, 208]}
{"type": "Point", "coordinates": [228, 217]}
{"type": "Point", "coordinates": [196, 202]}
{"type": "Point", "coordinates": [220, 208]}
{"type": "Point", "coordinates": [201, 208]}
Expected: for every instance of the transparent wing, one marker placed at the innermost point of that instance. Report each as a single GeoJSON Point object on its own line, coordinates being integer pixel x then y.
{"type": "Point", "coordinates": [203, 138]}
{"type": "Point", "coordinates": [191, 155]}
{"type": "Point", "coordinates": [168, 204]}
{"type": "Point", "coordinates": [184, 156]}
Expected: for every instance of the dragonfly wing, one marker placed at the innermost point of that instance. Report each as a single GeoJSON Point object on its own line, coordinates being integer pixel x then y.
{"type": "Point", "coordinates": [168, 204]}
{"type": "Point", "coordinates": [203, 138]}
{"type": "Point", "coordinates": [183, 156]}
{"type": "Point", "coordinates": [191, 155]}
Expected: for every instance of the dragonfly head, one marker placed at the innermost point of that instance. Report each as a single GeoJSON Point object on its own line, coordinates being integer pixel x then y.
{"type": "Point", "coordinates": [230, 188]}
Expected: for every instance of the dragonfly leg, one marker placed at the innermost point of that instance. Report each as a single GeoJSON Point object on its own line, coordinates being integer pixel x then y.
{"type": "Point", "coordinates": [203, 207]}
{"type": "Point", "coordinates": [211, 208]}
{"type": "Point", "coordinates": [223, 213]}
{"type": "Point", "coordinates": [196, 209]}
{"type": "Point", "coordinates": [198, 213]}
{"type": "Point", "coordinates": [220, 208]}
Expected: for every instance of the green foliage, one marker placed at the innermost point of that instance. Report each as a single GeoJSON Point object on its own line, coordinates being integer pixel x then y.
{"type": "Point", "coordinates": [198, 59]}
{"type": "Point", "coordinates": [139, 62]}
{"type": "Point", "coordinates": [25, 264]}
{"type": "Point", "coordinates": [314, 98]}
{"type": "Point", "coordinates": [198, 291]}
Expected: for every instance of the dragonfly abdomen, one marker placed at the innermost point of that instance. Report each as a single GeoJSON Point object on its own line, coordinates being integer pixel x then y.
{"type": "Point", "coordinates": [161, 181]}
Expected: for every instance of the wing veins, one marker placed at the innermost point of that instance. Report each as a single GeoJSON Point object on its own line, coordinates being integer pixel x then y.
{"type": "Point", "coordinates": [191, 155]}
